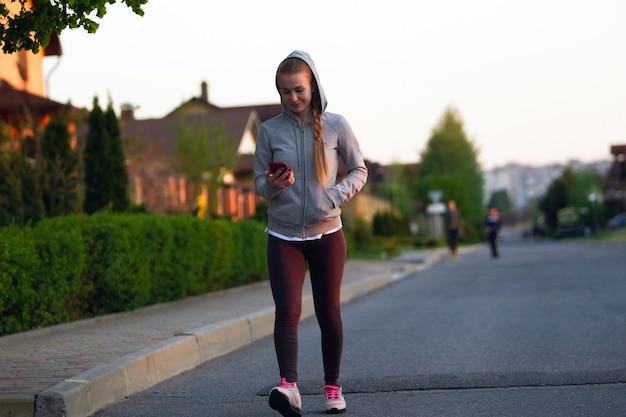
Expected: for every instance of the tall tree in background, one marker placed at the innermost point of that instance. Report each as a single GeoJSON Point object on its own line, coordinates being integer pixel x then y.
{"type": "Point", "coordinates": [28, 29]}
{"type": "Point", "coordinates": [106, 181]}
{"type": "Point", "coordinates": [205, 154]}
{"type": "Point", "coordinates": [96, 162]}
{"type": "Point", "coordinates": [450, 163]}
{"type": "Point", "coordinates": [118, 176]}
{"type": "Point", "coordinates": [500, 200]}
{"type": "Point", "coordinates": [60, 169]}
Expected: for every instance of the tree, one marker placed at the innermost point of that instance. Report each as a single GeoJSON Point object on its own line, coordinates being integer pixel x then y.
{"type": "Point", "coordinates": [20, 181]}
{"type": "Point", "coordinates": [397, 188]}
{"type": "Point", "coordinates": [571, 189]}
{"type": "Point", "coordinates": [96, 162]}
{"type": "Point", "coordinates": [30, 28]}
{"type": "Point", "coordinates": [500, 200]}
{"type": "Point", "coordinates": [449, 163]}
{"type": "Point", "coordinates": [106, 181]}
{"type": "Point", "coordinates": [117, 164]}
{"type": "Point", "coordinates": [556, 198]}
{"type": "Point", "coordinates": [60, 169]}
{"type": "Point", "coordinates": [205, 154]}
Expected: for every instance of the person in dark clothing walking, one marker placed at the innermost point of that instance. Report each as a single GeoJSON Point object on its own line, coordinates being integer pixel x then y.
{"type": "Point", "coordinates": [493, 223]}
{"type": "Point", "coordinates": [454, 228]}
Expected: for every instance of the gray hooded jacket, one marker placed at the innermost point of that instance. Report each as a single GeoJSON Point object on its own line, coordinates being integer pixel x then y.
{"type": "Point", "coordinates": [307, 208]}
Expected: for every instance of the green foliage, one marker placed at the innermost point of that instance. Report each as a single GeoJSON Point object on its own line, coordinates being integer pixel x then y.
{"type": "Point", "coordinates": [73, 267]}
{"type": "Point", "coordinates": [30, 29]}
{"type": "Point", "coordinates": [572, 188]}
{"type": "Point", "coordinates": [60, 169]}
{"type": "Point", "coordinates": [248, 269]}
{"type": "Point", "coordinates": [360, 234]}
{"type": "Point", "coordinates": [390, 224]}
{"type": "Point", "coordinates": [96, 162]}
{"type": "Point", "coordinates": [205, 153]}
{"type": "Point", "coordinates": [583, 184]}
{"type": "Point", "coordinates": [554, 200]}
{"type": "Point", "coordinates": [20, 183]}
{"type": "Point", "coordinates": [118, 176]}
{"type": "Point", "coordinates": [37, 275]}
{"type": "Point", "coordinates": [114, 266]}
{"type": "Point", "coordinates": [449, 163]}
{"type": "Point", "coordinates": [60, 261]}
{"type": "Point", "coordinates": [106, 181]}
{"type": "Point", "coordinates": [397, 188]}
{"type": "Point", "coordinates": [500, 200]}
{"type": "Point", "coordinates": [18, 266]}
{"type": "Point", "coordinates": [260, 212]}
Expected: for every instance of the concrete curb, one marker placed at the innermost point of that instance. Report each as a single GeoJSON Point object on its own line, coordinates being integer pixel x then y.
{"type": "Point", "coordinates": [96, 388]}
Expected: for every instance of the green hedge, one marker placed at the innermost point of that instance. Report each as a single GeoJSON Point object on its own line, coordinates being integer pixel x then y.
{"type": "Point", "coordinates": [74, 267]}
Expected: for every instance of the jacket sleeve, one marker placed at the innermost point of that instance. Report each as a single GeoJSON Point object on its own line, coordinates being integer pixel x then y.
{"type": "Point", "coordinates": [350, 152]}
{"type": "Point", "coordinates": [262, 158]}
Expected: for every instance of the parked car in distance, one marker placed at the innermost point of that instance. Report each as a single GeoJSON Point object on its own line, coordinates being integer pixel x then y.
{"type": "Point", "coordinates": [616, 222]}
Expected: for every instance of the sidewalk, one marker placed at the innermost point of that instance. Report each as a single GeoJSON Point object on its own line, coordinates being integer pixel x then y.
{"type": "Point", "coordinates": [77, 368]}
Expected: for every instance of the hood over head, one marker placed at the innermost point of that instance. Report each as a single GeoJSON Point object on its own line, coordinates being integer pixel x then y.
{"type": "Point", "coordinates": [304, 56]}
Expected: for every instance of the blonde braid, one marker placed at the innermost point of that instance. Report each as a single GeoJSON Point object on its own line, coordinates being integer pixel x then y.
{"type": "Point", "coordinates": [320, 163]}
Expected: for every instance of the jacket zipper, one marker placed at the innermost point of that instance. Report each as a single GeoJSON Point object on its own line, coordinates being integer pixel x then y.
{"type": "Point", "coordinates": [303, 164]}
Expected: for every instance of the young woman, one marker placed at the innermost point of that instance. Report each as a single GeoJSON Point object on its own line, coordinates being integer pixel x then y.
{"type": "Point", "coordinates": [304, 224]}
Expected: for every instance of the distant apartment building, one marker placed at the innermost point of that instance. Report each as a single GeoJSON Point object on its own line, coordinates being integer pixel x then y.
{"type": "Point", "coordinates": [526, 184]}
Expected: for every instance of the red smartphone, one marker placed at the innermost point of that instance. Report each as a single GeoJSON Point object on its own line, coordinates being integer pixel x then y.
{"type": "Point", "coordinates": [275, 166]}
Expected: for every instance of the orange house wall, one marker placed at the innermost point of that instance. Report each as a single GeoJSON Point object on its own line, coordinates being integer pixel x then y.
{"type": "Point", "coordinates": [34, 63]}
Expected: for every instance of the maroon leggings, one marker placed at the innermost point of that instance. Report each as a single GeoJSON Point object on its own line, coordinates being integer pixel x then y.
{"type": "Point", "coordinates": [287, 262]}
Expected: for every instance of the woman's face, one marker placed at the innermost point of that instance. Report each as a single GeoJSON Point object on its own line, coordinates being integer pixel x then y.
{"type": "Point", "coordinates": [295, 92]}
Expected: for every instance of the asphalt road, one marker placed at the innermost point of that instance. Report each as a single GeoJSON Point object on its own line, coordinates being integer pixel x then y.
{"type": "Point", "coordinates": [540, 331]}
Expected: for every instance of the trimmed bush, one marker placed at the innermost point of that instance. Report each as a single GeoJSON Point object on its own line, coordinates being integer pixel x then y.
{"type": "Point", "coordinates": [19, 266]}
{"type": "Point", "coordinates": [77, 266]}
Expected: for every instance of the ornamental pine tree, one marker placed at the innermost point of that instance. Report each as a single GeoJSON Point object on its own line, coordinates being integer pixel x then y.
{"type": "Point", "coordinates": [118, 176]}
{"type": "Point", "coordinates": [60, 169]}
{"type": "Point", "coordinates": [96, 159]}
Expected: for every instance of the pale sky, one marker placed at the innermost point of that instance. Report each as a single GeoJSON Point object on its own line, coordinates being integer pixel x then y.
{"type": "Point", "coordinates": [535, 81]}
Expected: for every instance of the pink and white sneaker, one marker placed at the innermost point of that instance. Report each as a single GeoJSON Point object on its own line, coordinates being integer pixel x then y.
{"type": "Point", "coordinates": [335, 403]}
{"type": "Point", "coordinates": [285, 399]}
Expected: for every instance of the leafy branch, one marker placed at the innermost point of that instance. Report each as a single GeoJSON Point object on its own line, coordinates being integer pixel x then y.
{"type": "Point", "coordinates": [31, 28]}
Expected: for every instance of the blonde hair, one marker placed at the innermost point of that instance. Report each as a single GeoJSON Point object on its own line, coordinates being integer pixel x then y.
{"type": "Point", "coordinates": [320, 162]}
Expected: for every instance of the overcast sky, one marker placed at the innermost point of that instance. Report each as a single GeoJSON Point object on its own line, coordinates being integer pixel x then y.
{"type": "Point", "coordinates": [535, 81]}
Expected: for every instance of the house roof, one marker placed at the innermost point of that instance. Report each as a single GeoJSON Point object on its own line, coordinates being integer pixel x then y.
{"type": "Point", "coordinates": [13, 102]}
{"type": "Point", "coordinates": [156, 138]}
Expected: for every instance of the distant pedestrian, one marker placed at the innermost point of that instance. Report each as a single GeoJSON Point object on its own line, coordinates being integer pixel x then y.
{"type": "Point", "coordinates": [304, 223]}
{"type": "Point", "coordinates": [493, 223]}
{"type": "Point", "coordinates": [454, 228]}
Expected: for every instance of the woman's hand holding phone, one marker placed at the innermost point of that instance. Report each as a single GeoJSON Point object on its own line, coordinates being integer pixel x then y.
{"type": "Point", "coordinates": [275, 166]}
{"type": "Point", "coordinates": [279, 176]}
